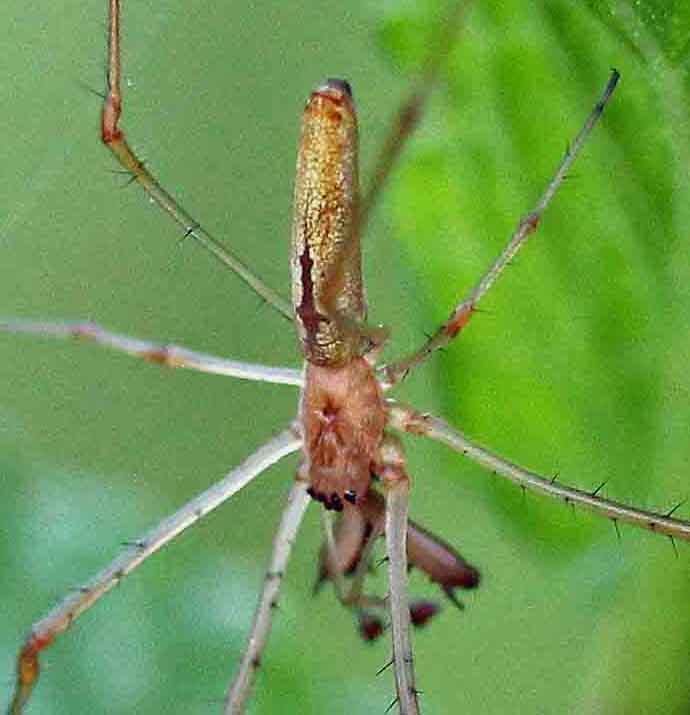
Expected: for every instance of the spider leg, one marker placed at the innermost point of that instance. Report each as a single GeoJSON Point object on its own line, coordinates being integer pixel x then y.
{"type": "Point", "coordinates": [463, 311]}
{"type": "Point", "coordinates": [114, 138]}
{"type": "Point", "coordinates": [60, 618]}
{"type": "Point", "coordinates": [409, 420]}
{"type": "Point", "coordinates": [409, 114]}
{"type": "Point", "coordinates": [349, 549]}
{"type": "Point", "coordinates": [297, 503]}
{"type": "Point", "coordinates": [166, 355]}
{"type": "Point", "coordinates": [397, 488]}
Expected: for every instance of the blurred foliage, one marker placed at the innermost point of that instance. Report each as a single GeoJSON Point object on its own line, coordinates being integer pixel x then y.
{"type": "Point", "coordinates": [577, 364]}
{"type": "Point", "coordinates": [574, 365]}
{"type": "Point", "coordinates": [651, 27]}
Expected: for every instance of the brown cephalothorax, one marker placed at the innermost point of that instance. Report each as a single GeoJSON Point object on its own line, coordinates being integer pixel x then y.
{"type": "Point", "coordinates": [343, 418]}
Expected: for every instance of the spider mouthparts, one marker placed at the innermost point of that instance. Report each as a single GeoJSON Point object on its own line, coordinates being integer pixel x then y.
{"type": "Point", "coordinates": [333, 501]}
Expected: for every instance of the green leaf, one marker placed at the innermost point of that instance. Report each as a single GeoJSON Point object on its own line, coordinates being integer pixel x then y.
{"type": "Point", "coordinates": [651, 27]}
{"type": "Point", "coordinates": [574, 364]}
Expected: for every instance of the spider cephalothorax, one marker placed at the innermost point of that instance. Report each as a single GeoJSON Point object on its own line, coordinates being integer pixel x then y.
{"type": "Point", "coordinates": [343, 418]}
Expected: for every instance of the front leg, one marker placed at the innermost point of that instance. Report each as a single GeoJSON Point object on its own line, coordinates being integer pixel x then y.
{"type": "Point", "coordinates": [62, 616]}
{"type": "Point", "coordinates": [397, 489]}
{"type": "Point", "coordinates": [286, 533]}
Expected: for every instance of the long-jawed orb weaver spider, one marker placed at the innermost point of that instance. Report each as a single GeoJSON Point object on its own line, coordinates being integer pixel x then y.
{"type": "Point", "coordinates": [156, 410]}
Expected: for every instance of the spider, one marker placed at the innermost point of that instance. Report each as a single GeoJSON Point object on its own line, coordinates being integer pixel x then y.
{"type": "Point", "coordinates": [418, 476]}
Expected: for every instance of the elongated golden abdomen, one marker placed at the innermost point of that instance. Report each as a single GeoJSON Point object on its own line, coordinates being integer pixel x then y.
{"type": "Point", "coordinates": [325, 259]}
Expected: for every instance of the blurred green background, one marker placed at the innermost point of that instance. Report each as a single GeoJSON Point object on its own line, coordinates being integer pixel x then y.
{"type": "Point", "coordinates": [578, 364]}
